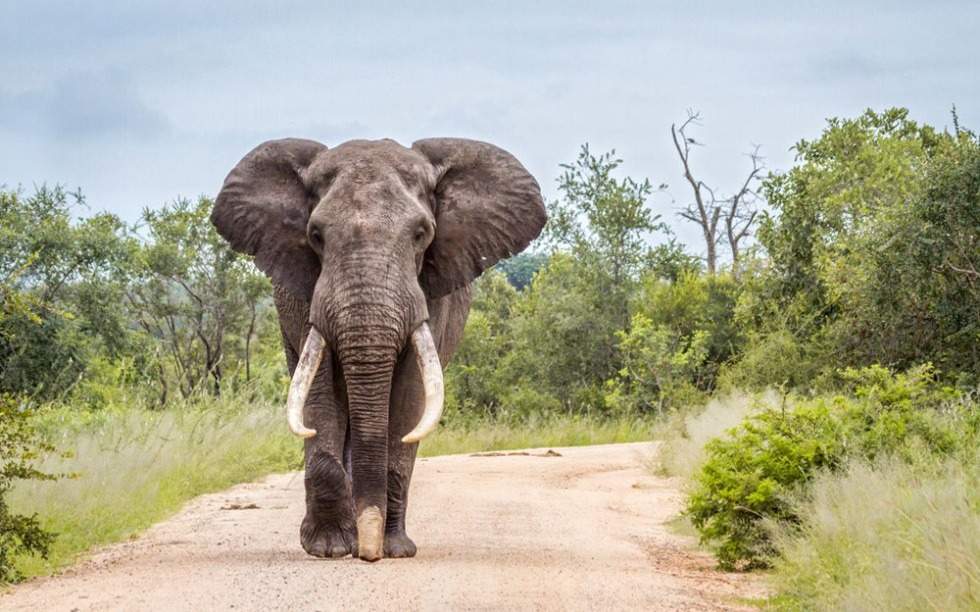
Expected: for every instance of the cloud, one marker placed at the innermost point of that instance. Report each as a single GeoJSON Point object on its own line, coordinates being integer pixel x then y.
{"type": "Point", "coordinates": [85, 106]}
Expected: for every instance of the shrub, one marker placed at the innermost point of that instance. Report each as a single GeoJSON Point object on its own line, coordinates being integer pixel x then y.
{"type": "Point", "coordinates": [685, 434]}
{"type": "Point", "coordinates": [659, 365]}
{"type": "Point", "coordinates": [19, 448]}
{"type": "Point", "coordinates": [771, 359]}
{"type": "Point", "coordinates": [751, 476]}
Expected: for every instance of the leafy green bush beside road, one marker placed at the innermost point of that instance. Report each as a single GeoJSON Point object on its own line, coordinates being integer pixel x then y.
{"type": "Point", "coordinates": [751, 475]}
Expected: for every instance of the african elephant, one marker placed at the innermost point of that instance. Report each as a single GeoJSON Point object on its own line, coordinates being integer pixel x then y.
{"type": "Point", "coordinates": [370, 245]}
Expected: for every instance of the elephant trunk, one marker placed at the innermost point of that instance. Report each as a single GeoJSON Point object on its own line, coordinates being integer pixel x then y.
{"type": "Point", "coordinates": [368, 369]}
{"type": "Point", "coordinates": [427, 360]}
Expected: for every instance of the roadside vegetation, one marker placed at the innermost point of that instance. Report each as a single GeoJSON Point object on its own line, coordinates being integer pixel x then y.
{"type": "Point", "coordinates": [815, 387]}
{"type": "Point", "coordinates": [126, 468]}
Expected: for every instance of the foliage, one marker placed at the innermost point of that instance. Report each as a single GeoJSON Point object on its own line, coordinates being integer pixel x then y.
{"type": "Point", "coordinates": [747, 478]}
{"type": "Point", "coordinates": [872, 247]}
{"type": "Point", "coordinates": [70, 271]}
{"type": "Point", "coordinates": [554, 343]}
{"type": "Point", "coordinates": [685, 433]}
{"type": "Point", "coordinates": [166, 304]}
{"type": "Point", "coordinates": [658, 365]}
{"type": "Point", "coordinates": [19, 448]}
{"type": "Point", "coordinates": [193, 291]}
{"type": "Point", "coordinates": [750, 475]}
{"type": "Point", "coordinates": [520, 268]}
{"type": "Point", "coordinates": [563, 335]}
{"type": "Point", "coordinates": [669, 261]}
{"type": "Point", "coordinates": [605, 224]}
{"type": "Point", "coordinates": [473, 380]}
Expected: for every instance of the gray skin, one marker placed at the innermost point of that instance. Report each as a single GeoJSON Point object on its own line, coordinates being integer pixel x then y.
{"type": "Point", "coordinates": [366, 242]}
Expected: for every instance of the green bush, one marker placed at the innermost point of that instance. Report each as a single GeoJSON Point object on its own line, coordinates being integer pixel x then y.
{"type": "Point", "coordinates": [751, 476]}
{"type": "Point", "coordinates": [748, 477]}
{"type": "Point", "coordinates": [659, 367]}
{"type": "Point", "coordinates": [19, 449]}
{"type": "Point", "coordinates": [771, 359]}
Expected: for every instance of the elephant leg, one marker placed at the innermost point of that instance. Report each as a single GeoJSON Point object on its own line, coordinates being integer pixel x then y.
{"type": "Point", "coordinates": [328, 529]}
{"type": "Point", "coordinates": [447, 317]}
{"type": "Point", "coordinates": [406, 408]}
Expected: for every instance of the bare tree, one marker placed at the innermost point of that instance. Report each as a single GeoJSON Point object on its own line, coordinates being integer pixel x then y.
{"type": "Point", "coordinates": [704, 211]}
{"type": "Point", "coordinates": [741, 210]}
{"type": "Point", "coordinates": [738, 212]}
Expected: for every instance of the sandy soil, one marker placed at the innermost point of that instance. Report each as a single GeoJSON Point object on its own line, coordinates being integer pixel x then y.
{"type": "Point", "coordinates": [580, 531]}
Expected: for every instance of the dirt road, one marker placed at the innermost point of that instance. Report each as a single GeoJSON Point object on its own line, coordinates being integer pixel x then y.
{"type": "Point", "coordinates": [583, 530]}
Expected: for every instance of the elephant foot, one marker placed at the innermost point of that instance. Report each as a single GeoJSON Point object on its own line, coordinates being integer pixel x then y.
{"type": "Point", "coordinates": [327, 540]}
{"type": "Point", "coordinates": [398, 545]}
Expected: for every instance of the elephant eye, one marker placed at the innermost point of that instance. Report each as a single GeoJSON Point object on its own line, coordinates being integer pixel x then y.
{"type": "Point", "coordinates": [316, 238]}
{"type": "Point", "coordinates": [420, 234]}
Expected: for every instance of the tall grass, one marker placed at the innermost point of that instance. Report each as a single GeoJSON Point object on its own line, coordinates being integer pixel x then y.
{"type": "Point", "coordinates": [684, 435]}
{"type": "Point", "coordinates": [886, 537]}
{"type": "Point", "coordinates": [129, 469]}
{"type": "Point", "coordinates": [133, 467]}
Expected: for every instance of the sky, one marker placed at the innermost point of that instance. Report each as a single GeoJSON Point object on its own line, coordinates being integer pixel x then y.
{"type": "Point", "coordinates": [138, 103]}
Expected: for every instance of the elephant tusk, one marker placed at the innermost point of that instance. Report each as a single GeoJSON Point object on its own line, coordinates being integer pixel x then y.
{"type": "Point", "coordinates": [428, 361]}
{"type": "Point", "coordinates": [299, 387]}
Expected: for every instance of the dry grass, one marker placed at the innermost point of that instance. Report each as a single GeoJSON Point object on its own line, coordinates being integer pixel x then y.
{"type": "Point", "coordinates": [886, 537]}
{"type": "Point", "coordinates": [131, 469]}
{"type": "Point", "coordinates": [557, 430]}
{"type": "Point", "coordinates": [685, 434]}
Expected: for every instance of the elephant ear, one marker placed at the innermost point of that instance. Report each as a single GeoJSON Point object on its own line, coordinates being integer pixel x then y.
{"type": "Point", "coordinates": [487, 207]}
{"type": "Point", "coordinates": [263, 208]}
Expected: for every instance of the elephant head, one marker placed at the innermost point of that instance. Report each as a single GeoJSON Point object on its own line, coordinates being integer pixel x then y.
{"type": "Point", "coordinates": [368, 233]}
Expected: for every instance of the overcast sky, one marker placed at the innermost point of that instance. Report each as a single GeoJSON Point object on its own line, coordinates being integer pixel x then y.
{"type": "Point", "coordinates": [140, 102]}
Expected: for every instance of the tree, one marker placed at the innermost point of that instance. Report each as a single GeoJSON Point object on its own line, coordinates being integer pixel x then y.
{"type": "Point", "coordinates": [74, 269]}
{"type": "Point", "coordinates": [738, 212]}
{"type": "Point", "coordinates": [520, 268]}
{"type": "Point", "coordinates": [605, 224]}
{"type": "Point", "coordinates": [474, 377]}
{"type": "Point", "coordinates": [193, 292]}
{"type": "Point", "coordinates": [872, 243]}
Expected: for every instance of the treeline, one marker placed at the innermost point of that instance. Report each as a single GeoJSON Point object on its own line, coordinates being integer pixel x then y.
{"type": "Point", "coordinates": [91, 305]}
{"type": "Point", "coordinates": [867, 254]}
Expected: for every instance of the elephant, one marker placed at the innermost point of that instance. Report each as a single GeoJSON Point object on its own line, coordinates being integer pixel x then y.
{"type": "Point", "coordinates": [371, 248]}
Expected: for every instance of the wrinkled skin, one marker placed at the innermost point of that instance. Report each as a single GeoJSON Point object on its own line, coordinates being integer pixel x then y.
{"type": "Point", "coordinates": [366, 242]}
